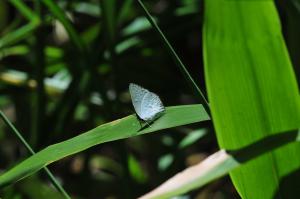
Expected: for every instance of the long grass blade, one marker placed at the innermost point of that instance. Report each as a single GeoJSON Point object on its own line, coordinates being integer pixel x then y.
{"type": "Point", "coordinates": [61, 16]}
{"type": "Point", "coordinates": [18, 34]}
{"type": "Point", "coordinates": [24, 10]}
{"type": "Point", "coordinates": [55, 183]}
{"type": "Point", "coordinates": [119, 129]}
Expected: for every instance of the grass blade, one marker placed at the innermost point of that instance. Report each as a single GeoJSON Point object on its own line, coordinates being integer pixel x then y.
{"type": "Point", "coordinates": [176, 58]}
{"type": "Point", "coordinates": [20, 137]}
{"type": "Point", "coordinates": [119, 129]}
{"type": "Point", "coordinates": [18, 34]}
{"type": "Point", "coordinates": [24, 31]}
{"type": "Point", "coordinates": [27, 12]}
{"type": "Point", "coordinates": [252, 91]}
{"type": "Point", "coordinates": [60, 15]}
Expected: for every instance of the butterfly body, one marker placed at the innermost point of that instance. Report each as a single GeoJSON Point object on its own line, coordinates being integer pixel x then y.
{"type": "Point", "coordinates": [147, 105]}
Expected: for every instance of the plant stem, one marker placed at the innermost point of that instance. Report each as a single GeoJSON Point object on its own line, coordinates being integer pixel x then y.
{"type": "Point", "coordinates": [38, 95]}
{"type": "Point", "coordinates": [176, 58]}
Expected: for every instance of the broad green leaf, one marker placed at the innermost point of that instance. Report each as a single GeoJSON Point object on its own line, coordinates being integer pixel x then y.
{"type": "Point", "coordinates": [118, 129]}
{"type": "Point", "coordinates": [252, 92]}
{"type": "Point", "coordinates": [220, 164]}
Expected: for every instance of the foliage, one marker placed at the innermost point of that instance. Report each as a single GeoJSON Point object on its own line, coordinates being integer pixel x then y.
{"type": "Point", "coordinates": [64, 76]}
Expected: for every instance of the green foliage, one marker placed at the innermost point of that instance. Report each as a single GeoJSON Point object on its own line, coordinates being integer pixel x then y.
{"type": "Point", "coordinates": [64, 73]}
{"type": "Point", "coordinates": [118, 129]}
{"type": "Point", "coordinates": [219, 164]}
{"type": "Point", "coordinates": [252, 91]}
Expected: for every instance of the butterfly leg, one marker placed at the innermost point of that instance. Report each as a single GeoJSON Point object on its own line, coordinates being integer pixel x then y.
{"type": "Point", "coordinates": [140, 123]}
{"type": "Point", "coordinates": [139, 120]}
{"type": "Point", "coordinates": [148, 124]}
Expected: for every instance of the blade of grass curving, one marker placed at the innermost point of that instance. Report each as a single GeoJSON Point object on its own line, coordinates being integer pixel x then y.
{"type": "Point", "coordinates": [24, 10]}
{"type": "Point", "coordinates": [252, 91]}
{"type": "Point", "coordinates": [55, 183]}
{"type": "Point", "coordinates": [14, 51]}
{"type": "Point", "coordinates": [18, 34]}
{"type": "Point", "coordinates": [60, 15]}
{"type": "Point", "coordinates": [24, 31]}
{"type": "Point", "coordinates": [124, 11]}
{"type": "Point", "coordinates": [176, 58]}
{"type": "Point", "coordinates": [118, 129]}
{"type": "Point", "coordinates": [81, 78]}
{"type": "Point", "coordinates": [108, 8]}
{"type": "Point", "coordinates": [38, 98]}
{"type": "Point", "coordinates": [219, 164]}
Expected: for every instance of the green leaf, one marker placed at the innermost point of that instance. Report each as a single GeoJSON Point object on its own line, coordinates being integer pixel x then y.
{"type": "Point", "coordinates": [252, 92]}
{"type": "Point", "coordinates": [125, 10]}
{"type": "Point", "coordinates": [18, 34]}
{"type": "Point", "coordinates": [165, 161]}
{"type": "Point", "coordinates": [27, 12]}
{"type": "Point", "coordinates": [118, 129]}
{"type": "Point", "coordinates": [136, 170]}
{"type": "Point", "coordinates": [55, 183]}
{"type": "Point", "coordinates": [192, 137]}
{"type": "Point", "coordinates": [14, 50]}
{"type": "Point", "coordinates": [24, 31]}
{"type": "Point", "coordinates": [109, 15]}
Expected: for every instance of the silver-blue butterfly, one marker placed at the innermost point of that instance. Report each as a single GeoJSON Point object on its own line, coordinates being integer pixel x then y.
{"type": "Point", "coordinates": [147, 105]}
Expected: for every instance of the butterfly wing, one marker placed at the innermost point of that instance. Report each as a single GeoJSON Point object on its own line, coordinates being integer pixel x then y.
{"type": "Point", "coordinates": [151, 107]}
{"type": "Point", "coordinates": [137, 94]}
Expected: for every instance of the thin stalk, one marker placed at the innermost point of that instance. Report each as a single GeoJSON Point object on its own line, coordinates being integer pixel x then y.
{"type": "Point", "coordinates": [61, 16]}
{"type": "Point", "coordinates": [108, 8]}
{"type": "Point", "coordinates": [38, 95]}
{"type": "Point", "coordinates": [24, 10]}
{"type": "Point", "coordinates": [176, 58]}
{"type": "Point", "coordinates": [20, 137]}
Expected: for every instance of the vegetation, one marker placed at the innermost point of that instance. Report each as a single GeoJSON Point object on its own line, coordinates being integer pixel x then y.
{"type": "Point", "coordinates": [64, 76]}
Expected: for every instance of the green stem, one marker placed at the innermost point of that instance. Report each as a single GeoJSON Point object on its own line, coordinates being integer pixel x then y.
{"type": "Point", "coordinates": [18, 134]}
{"type": "Point", "coordinates": [176, 58]}
{"type": "Point", "coordinates": [38, 94]}
{"type": "Point", "coordinates": [108, 8]}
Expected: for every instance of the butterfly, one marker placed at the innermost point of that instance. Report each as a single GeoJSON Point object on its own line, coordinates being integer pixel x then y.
{"type": "Point", "coordinates": [147, 105]}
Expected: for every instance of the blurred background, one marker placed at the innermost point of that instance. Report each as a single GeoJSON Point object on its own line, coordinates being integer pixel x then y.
{"type": "Point", "coordinates": [60, 79]}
